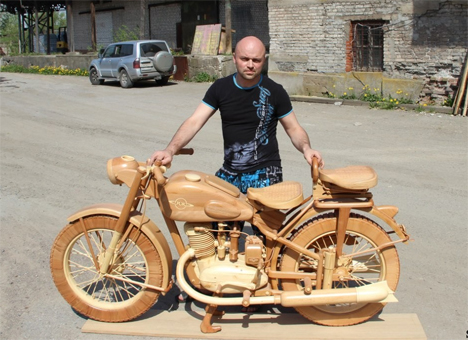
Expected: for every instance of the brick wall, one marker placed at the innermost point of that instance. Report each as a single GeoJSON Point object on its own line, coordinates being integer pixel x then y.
{"type": "Point", "coordinates": [248, 17]}
{"type": "Point", "coordinates": [117, 14]}
{"type": "Point", "coordinates": [163, 23]}
{"type": "Point", "coordinates": [423, 40]}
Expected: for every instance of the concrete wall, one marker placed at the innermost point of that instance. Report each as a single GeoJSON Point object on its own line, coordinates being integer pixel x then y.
{"type": "Point", "coordinates": [337, 84]}
{"type": "Point", "coordinates": [218, 66]}
{"type": "Point", "coordinates": [69, 61]}
{"type": "Point", "coordinates": [424, 40]}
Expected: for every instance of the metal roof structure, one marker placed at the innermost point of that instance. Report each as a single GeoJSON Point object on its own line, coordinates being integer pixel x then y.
{"type": "Point", "coordinates": [35, 17]}
{"type": "Point", "coordinates": [23, 6]}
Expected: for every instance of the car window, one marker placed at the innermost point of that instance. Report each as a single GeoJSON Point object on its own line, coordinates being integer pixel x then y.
{"type": "Point", "coordinates": [150, 49]}
{"type": "Point", "coordinates": [110, 52]}
{"type": "Point", "coordinates": [118, 48]}
{"type": "Point", "coordinates": [126, 50]}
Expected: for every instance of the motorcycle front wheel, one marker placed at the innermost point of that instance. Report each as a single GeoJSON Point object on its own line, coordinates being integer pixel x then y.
{"type": "Point", "coordinates": [110, 299]}
{"type": "Point", "coordinates": [379, 265]}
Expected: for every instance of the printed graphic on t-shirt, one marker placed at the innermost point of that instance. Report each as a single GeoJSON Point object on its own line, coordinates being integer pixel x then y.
{"type": "Point", "coordinates": [248, 153]}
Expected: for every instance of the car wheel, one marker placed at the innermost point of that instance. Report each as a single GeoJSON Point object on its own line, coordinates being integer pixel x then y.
{"type": "Point", "coordinates": [162, 81]}
{"type": "Point", "coordinates": [163, 61]}
{"type": "Point", "coordinates": [94, 77]}
{"type": "Point", "coordinates": [125, 80]}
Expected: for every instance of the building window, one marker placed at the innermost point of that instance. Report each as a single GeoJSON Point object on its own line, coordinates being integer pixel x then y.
{"type": "Point", "coordinates": [367, 46]}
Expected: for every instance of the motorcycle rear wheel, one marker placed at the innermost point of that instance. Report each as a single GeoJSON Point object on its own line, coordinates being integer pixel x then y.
{"type": "Point", "coordinates": [379, 265]}
{"type": "Point", "coordinates": [93, 295]}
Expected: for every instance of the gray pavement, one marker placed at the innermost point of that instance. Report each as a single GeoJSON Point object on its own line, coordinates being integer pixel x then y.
{"type": "Point", "coordinates": [57, 133]}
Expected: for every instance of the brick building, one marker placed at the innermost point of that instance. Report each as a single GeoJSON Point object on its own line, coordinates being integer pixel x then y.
{"type": "Point", "coordinates": [315, 46]}
{"type": "Point", "coordinates": [173, 21]}
{"type": "Point", "coordinates": [421, 41]}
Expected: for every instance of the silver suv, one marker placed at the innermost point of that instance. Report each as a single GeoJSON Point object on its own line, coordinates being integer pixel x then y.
{"type": "Point", "coordinates": [131, 61]}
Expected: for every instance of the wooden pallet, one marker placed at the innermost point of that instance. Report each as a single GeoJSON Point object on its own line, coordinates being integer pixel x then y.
{"type": "Point", "coordinates": [240, 326]}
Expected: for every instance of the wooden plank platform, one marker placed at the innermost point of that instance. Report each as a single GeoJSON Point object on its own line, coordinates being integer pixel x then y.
{"type": "Point", "coordinates": [241, 326]}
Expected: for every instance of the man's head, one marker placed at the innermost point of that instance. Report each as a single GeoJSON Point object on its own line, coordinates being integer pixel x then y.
{"type": "Point", "coordinates": [249, 58]}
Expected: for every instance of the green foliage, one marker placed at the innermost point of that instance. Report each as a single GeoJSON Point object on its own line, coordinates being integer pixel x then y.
{"type": "Point", "coordinates": [9, 32]}
{"type": "Point", "coordinates": [60, 20]}
{"type": "Point", "coordinates": [15, 69]}
{"type": "Point", "coordinates": [349, 94]}
{"type": "Point", "coordinates": [375, 98]}
{"type": "Point", "coordinates": [202, 77]}
{"type": "Point", "coordinates": [177, 51]}
{"type": "Point", "coordinates": [124, 33]}
{"type": "Point", "coordinates": [44, 70]}
{"type": "Point", "coordinates": [423, 108]}
{"type": "Point", "coordinates": [448, 102]}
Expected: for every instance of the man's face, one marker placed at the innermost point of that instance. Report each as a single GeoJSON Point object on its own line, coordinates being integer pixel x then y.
{"type": "Point", "coordinates": [249, 60]}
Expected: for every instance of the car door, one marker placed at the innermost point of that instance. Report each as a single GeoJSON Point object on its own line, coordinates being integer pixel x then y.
{"type": "Point", "coordinates": [123, 58]}
{"type": "Point", "coordinates": [115, 61]}
{"type": "Point", "coordinates": [106, 61]}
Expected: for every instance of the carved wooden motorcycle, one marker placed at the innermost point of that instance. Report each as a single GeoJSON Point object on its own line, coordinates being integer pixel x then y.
{"type": "Point", "coordinates": [323, 255]}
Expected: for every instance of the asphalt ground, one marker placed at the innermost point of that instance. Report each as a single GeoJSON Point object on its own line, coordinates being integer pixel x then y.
{"type": "Point", "coordinates": [57, 132]}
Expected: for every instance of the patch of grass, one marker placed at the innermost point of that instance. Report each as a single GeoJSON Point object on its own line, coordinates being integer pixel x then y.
{"type": "Point", "coordinates": [448, 102]}
{"type": "Point", "coordinates": [349, 94]}
{"type": "Point", "coordinates": [374, 97]}
{"type": "Point", "coordinates": [45, 70]}
{"type": "Point", "coordinates": [202, 77]}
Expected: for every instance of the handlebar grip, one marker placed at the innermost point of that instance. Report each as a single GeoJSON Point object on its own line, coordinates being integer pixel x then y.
{"type": "Point", "coordinates": [315, 170]}
{"type": "Point", "coordinates": [158, 173]}
{"type": "Point", "coordinates": [185, 151]}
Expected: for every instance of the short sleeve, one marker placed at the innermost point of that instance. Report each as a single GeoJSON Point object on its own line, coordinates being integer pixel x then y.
{"type": "Point", "coordinates": [283, 103]}
{"type": "Point", "coordinates": [211, 96]}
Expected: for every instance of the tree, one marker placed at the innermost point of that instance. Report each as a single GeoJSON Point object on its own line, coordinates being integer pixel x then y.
{"type": "Point", "coordinates": [60, 20]}
{"type": "Point", "coordinates": [9, 32]}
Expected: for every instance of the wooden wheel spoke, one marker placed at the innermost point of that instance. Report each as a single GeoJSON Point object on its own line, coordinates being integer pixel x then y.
{"type": "Point", "coordinates": [79, 272]}
{"type": "Point", "coordinates": [88, 282]}
{"type": "Point", "coordinates": [74, 263]}
{"type": "Point", "coordinates": [101, 245]}
{"type": "Point", "coordinates": [85, 251]}
{"type": "Point", "coordinates": [81, 267]}
{"type": "Point", "coordinates": [363, 237]}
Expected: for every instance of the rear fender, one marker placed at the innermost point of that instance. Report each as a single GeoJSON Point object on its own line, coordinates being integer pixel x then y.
{"type": "Point", "coordinates": [385, 213]}
{"type": "Point", "coordinates": [148, 227]}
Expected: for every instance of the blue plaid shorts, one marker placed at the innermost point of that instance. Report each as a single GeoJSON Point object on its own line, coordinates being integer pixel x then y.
{"type": "Point", "coordinates": [256, 179]}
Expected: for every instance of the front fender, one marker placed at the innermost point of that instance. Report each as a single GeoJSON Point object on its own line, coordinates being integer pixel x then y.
{"type": "Point", "coordinates": [148, 227]}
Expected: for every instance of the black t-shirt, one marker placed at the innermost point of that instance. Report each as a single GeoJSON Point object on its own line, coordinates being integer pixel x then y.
{"type": "Point", "coordinates": [249, 118]}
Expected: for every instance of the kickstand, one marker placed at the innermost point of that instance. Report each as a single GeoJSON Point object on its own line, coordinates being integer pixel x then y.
{"type": "Point", "coordinates": [206, 326]}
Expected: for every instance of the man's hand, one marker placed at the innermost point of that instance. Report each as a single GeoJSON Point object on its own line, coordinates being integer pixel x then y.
{"type": "Point", "coordinates": [164, 156]}
{"type": "Point", "coordinates": [311, 153]}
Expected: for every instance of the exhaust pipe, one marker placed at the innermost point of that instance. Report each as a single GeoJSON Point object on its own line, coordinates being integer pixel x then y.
{"type": "Point", "coordinates": [376, 292]}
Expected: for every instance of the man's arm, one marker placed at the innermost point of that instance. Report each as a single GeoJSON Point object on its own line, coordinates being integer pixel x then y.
{"type": "Point", "coordinates": [184, 134]}
{"type": "Point", "coordinates": [300, 139]}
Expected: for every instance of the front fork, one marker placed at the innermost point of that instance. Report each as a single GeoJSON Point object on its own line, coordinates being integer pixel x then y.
{"type": "Point", "coordinates": [117, 239]}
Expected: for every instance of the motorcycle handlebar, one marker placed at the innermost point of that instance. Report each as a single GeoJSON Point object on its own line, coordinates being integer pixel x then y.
{"type": "Point", "coordinates": [185, 151]}
{"type": "Point", "coordinates": [158, 172]}
{"type": "Point", "coordinates": [315, 170]}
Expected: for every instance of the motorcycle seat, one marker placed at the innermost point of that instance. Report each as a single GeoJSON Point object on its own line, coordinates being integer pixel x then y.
{"type": "Point", "coordinates": [284, 195]}
{"type": "Point", "coordinates": [356, 177]}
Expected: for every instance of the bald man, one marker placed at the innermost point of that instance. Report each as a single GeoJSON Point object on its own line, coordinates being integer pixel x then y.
{"type": "Point", "coordinates": [250, 105]}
